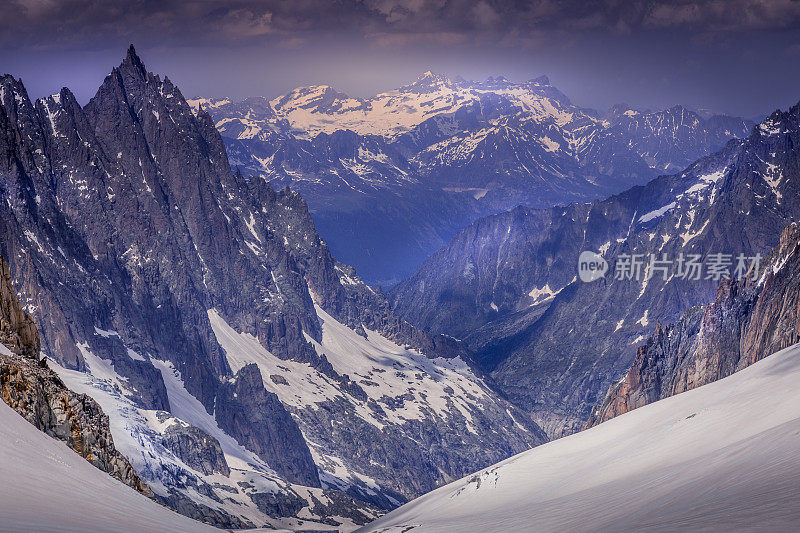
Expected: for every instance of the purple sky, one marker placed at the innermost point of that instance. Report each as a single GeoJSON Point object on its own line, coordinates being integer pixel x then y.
{"type": "Point", "coordinates": [735, 56]}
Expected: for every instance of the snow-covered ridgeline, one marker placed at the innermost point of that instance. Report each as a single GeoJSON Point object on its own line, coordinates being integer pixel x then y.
{"type": "Point", "coordinates": [320, 109]}
{"type": "Point", "coordinates": [421, 388]}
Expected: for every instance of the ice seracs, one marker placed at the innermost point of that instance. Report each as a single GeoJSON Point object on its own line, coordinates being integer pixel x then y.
{"type": "Point", "coordinates": [45, 486]}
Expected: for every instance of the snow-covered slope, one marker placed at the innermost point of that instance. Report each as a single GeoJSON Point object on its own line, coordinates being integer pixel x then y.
{"type": "Point", "coordinates": [45, 486]}
{"type": "Point", "coordinates": [720, 457]}
{"type": "Point", "coordinates": [394, 398]}
{"type": "Point", "coordinates": [241, 492]}
{"type": "Point", "coordinates": [321, 109]}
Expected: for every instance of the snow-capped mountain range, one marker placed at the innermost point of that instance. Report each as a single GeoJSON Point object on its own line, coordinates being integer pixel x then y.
{"type": "Point", "coordinates": [468, 148]}
{"type": "Point", "coordinates": [321, 109]}
{"type": "Point", "coordinates": [184, 328]}
{"type": "Point", "coordinates": [507, 285]}
{"type": "Point", "coordinates": [250, 378]}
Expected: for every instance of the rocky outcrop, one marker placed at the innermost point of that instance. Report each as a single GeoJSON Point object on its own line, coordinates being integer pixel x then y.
{"type": "Point", "coordinates": [17, 330]}
{"type": "Point", "coordinates": [749, 320]}
{"type": "Point", "coordinates": [277, 504]}
{"type": "Point", "coordinates": [196, 448]}
{"type": "Point", "coordinates": [259, 422]}
{"type": "Point", "coordinates": [186, 506]}
{"type": "Point", "coordinates": [37, 393]}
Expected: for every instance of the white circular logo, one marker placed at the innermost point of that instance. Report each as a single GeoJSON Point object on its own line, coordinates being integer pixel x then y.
{"type": "Point", "coordinates": [591, 266]}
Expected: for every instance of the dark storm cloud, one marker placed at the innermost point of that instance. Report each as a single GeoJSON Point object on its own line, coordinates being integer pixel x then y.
{"type": "Point", "coordinates": [735, 56]}
{"type": "Point", "coordinates": [82, 23]}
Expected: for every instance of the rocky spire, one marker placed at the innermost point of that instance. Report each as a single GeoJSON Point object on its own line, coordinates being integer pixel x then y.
{"type": "Point", "coordinates": [132, 63]}
{"type": "Point", "coordinates": [17, 330]}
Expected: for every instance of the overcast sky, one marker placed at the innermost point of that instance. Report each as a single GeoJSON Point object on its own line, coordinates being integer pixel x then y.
{"type": "Point", "coordinates": [736, 56]}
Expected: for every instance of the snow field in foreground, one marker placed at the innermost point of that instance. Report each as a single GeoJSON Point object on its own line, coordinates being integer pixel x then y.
{"type": "Point", "coordinates": [723, 457]}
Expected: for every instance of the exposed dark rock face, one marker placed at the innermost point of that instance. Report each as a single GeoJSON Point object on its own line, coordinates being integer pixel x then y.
{"type": "Point", "coordinates": [556, 354]}
{"type": "Point", "coordinates": [126, 230]}
{"type": "Point", "coordinates": [196, 448]}
{"type": "Point", "coordinates": [336, 504]}
{"type": "Point", "coordinates": [37, 393]}
{"type": "Point", "coordinates": [184, 505]}
{"type": "Point", "coordinates": [149, 238]}
{"type": "Point", "coordinates": [749, 320]}
{"type": "Point", "coordinates": [278, 504]}
{"type": "Point", "coordinates": [258, 421]}
{"type": "Point", "coordinates": [674, 138]}
{"type": "Point", "coordinates": [17, 330]}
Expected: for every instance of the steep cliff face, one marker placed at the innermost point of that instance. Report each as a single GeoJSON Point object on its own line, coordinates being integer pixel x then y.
{"type": "Point", "coordinates": [157, 274]}
{"type": "Point", "coordinates": [125, 224]}
{"type": "Point", "coordinates": [37, 393]}
{"type": "Point", "coordinates": [749, 320]}
{"type": "Point", "coordinates": [260, 423]}
{"type": "Point", "coordinates": [18, 333]}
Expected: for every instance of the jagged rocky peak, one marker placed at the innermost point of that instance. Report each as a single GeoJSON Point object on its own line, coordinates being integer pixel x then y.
{"type": "Point", "coordinates": [133, 62]}
{"type": "Point", "coordinates": [12, 94]}
{"type": "Point", "coordinates": [779, 121]}
{"type": "Point", "coordinates": [165, 282]}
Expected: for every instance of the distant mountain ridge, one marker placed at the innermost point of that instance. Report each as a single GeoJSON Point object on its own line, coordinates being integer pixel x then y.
{"type": "Point", "coordinates": [427, 159]}
{"type": "Point", "coordinates": [507, 285]}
